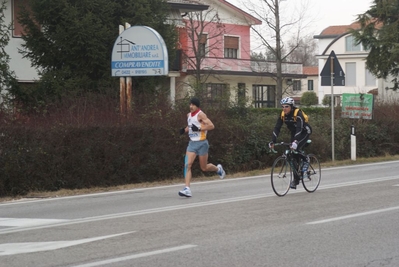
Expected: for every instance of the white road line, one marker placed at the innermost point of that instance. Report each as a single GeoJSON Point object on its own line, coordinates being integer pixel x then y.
{"type": "Point", "coordinates": [135, 213]}
{"type": "Point", "coordinates": [179, 185]}
{"type": "Point", "coordinates": [353, 215]}
{"type": "Point", "coordinates": [26, 222]}
{"type": "Point", "coordinates": [357, 182]}
{"type": "Point", "coordinates": [135, 256]}
{"type": "Point", "coordinates": [29, 247]}
{"type": "Point", "coordinates": [185, 206]}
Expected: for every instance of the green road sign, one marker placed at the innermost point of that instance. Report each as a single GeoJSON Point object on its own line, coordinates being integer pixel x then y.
{"type": "Point", "coordinates": [357, 106]}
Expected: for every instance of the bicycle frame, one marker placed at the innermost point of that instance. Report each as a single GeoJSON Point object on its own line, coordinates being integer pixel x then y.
{"type": "Point", "coordinates": [289, 155]}
{"type": "Point", "coordinates": [281, 176]}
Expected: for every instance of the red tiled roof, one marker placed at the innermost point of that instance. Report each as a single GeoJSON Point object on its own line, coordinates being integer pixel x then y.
{"type": "Point", "coordinates": [340, 29]}
{"type": "Point", "coordinates": [311, 70]}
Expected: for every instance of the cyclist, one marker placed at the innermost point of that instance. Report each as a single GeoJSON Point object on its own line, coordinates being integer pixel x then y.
{"type": "Point", "coordinates": [300, 132]}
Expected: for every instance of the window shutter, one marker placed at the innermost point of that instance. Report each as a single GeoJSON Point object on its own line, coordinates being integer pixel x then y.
{"type": "Point", "coordinates": [203, 38]}
{"type": "Point", "coordinates": [231, 42]}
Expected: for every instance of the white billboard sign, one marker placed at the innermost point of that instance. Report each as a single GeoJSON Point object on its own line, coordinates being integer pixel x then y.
{"type": "Point", "coordinates": [139, 51]}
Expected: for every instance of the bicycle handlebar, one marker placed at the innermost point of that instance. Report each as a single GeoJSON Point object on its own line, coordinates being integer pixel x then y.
{"type": "Point", "coordinates": [282, 144]}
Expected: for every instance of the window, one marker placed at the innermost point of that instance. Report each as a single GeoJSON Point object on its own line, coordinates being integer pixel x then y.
{"type": "Point", "coordinates": [16, 9]}
{"type": "Point", "coordinates": [264, 95]}
{"type": "Point", "coordinates": [350, 74]}
{"type": "Point", "coordinates": [350, 44]}
{"type": "Point", "coordinates": [216, 94]}
{"type": "Point", "coordinates": [370, 78]}
{"type": "Point", "coordinates": [241, 94]}
{"type": "Point", "coordinates": [215, 90]}
{"type": "Point", "coordinates": [231, 47]}
{"type": "Point", "coordinates": [310, 85]}
{"type": "Point", "coordinates": [296, 86]}
{"type": "Point", "coordinates": [202, 45]}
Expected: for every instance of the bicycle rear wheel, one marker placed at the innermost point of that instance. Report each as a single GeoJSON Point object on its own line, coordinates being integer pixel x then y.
{"type": "Point", "coordinates": [281, 176]}
{"type": "Point", "coordinates": [314, 174]}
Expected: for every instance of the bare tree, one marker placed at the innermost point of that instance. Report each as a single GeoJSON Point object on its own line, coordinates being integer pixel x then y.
{"type": "Point", "coordinates": [305, 51]}
{"type": "Point", "coordinates": [205, 34]}
{"type": "Point", "coordinates": [278, 27]}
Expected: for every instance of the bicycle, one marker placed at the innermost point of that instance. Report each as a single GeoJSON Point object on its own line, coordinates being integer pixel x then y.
{"type": "Point", "coordinates": [286, 165]}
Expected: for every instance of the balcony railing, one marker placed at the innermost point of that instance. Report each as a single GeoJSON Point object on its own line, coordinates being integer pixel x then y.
{"type": "Point", "coordinates": [242, 65]}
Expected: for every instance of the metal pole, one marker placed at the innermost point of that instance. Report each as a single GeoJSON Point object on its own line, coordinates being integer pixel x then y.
{"type": "Point", "coordinates": [128, 87]}
{"type": "Point", "coordinates": [332, 109]}
{"type": "Point", "coordinates": [122, 86]}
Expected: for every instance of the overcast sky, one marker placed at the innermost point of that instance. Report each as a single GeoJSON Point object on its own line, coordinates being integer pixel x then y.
{"type": "Point", "coordinates": [338, 12]}
{"type": "Point", "coordinates": [326, 13]}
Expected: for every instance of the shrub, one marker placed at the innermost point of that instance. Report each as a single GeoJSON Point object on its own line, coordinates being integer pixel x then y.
{"type": "Point", "coordinates": [84, 142]}
{"type": "Point", "coordinates": [309, 99]}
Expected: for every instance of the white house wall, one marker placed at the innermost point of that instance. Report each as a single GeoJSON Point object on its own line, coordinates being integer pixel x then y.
{"type": "Point", "coordinates": [224, 13]}
{"type": "Point", "coordinates": [343, 58]}
{"type": "Point", "coordinates": [385, 94]}
{"type": "Point", "coordinates": [21, 66]}
{"type": "Point", "coordinates": [231, 80]}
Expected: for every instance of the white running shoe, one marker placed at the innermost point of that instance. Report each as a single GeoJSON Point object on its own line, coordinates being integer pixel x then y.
{"type": "Point", "coordinates": [220, 171]}
{"type": "Point", "coordinates": [186, 192]}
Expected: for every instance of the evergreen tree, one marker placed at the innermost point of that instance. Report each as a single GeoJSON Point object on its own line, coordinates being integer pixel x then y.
{"type": "Point", "coordinates": [379, 34]}
{"type": "Point", "coordinates": [70, 41]}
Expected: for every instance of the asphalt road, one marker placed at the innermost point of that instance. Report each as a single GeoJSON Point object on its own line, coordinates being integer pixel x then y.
{"type": "Point", "coordinates": [351, 220]}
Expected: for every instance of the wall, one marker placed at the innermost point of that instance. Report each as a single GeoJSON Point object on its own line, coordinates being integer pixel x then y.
{"type": "Point", "coordinates": [343, 58]}
{"type": "Point", "coordinates": [21, 66]}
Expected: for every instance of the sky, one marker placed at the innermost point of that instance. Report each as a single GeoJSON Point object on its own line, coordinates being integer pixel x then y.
{"type": "Point", "coordinates": [326, 13]}
{"type": "Point", "coordinates": [337, 12]}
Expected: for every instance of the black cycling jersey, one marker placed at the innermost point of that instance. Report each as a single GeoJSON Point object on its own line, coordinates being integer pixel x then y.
{"type": "Point", "coordinates": [300, 130]}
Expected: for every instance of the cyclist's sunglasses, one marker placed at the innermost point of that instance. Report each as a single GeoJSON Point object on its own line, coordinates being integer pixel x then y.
{"type": "Point", "coordinates": [285, 106]}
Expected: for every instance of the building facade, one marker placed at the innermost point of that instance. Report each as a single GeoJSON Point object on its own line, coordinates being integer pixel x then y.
{"type": "Point", "coordinates": [352, 58]}
{"type": "Point", "coordinates": [216, 58]}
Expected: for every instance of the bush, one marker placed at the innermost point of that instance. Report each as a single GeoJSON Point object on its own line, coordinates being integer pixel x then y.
{"type": "Point", "coordinates": [309, 99]}
{"type": "Point", "coordinates": [84, 142]}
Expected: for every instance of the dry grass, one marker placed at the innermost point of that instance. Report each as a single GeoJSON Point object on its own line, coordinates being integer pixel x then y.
{"type": "Point", "coordinates": [176, 181]}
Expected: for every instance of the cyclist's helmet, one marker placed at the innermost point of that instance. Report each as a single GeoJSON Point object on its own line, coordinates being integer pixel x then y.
{"type": "Point", "coordinates": [287, 101]}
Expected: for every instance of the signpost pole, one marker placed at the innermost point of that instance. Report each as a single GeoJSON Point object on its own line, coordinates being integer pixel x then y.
{"type": "Point", "coordinates": [332, 110]}
{"type": "Point", "coordinates": [128, 87]}
{"type": "Point", "coordinates": [137, 51]}
{"type": "Point", "coordinates": [330, 69]}
{"type": "Point", "coordinates": [122, 86]}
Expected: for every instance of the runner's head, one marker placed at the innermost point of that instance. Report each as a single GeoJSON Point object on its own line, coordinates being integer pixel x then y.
{"type": "Point", "coordinates": [195, 101]}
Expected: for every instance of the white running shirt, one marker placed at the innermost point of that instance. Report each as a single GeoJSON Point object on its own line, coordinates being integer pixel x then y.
{"type": "Point", "coordinates": [195, 136]}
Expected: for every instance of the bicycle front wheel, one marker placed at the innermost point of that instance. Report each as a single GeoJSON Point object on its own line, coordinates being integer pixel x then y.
{"type": "Point", "coordinates": [281, 176]}
{"type": "Point", "coordinates": [314, 175]}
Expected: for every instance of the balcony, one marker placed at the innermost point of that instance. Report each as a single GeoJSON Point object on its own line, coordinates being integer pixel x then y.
{"type": "Point", "coordinates": [242, 65]}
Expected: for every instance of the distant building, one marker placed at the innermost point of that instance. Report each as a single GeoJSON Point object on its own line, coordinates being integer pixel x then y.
{"type": "Point", "coordinates": [226, 61]}
{"type": "Point", "coordinates": [228, 69]}
{"type": "Point", "coordinates": [351, 58]}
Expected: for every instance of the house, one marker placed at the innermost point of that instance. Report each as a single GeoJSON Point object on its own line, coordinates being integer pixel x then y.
{"type": "Point", "coordinates": [351, 58]}
{"type": "Point", "coordinates": [21, 66]}
{"type": "Point", "coordinates": [224, 43]}
{"type": "Point", "coordinates": [216, 54]}
{"type": "Point", "coordinates": [384, 93]}
{"type": "Point", "coordinates": [308, 84]}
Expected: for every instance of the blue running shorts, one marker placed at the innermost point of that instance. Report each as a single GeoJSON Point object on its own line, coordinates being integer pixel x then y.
{"type": "Point", "coordinates": [198, 147]}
